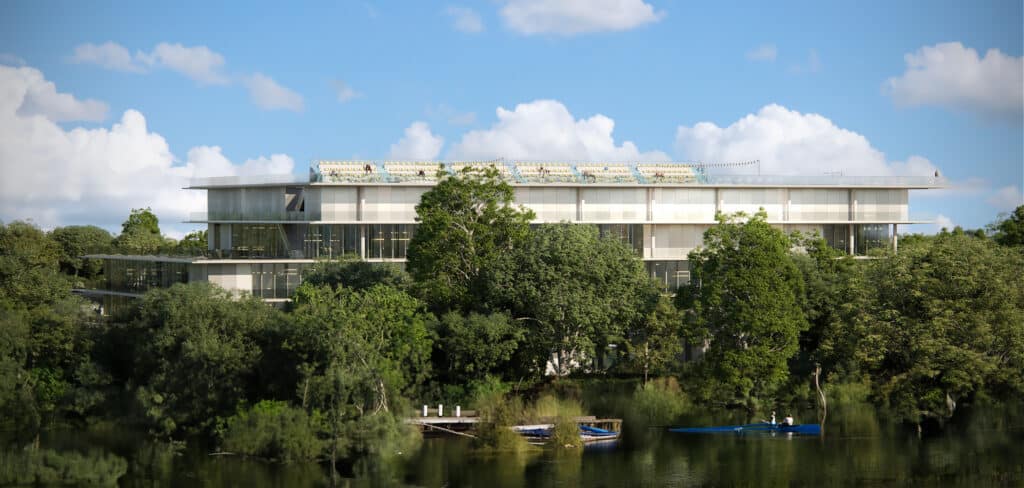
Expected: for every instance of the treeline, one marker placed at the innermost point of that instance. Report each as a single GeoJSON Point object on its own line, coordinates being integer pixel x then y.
{"type": "Point", "coordinates": [489, 303]}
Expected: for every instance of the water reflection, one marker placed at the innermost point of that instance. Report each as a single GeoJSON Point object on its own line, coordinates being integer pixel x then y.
{"type": "Point", "coordinates": [982, 449]}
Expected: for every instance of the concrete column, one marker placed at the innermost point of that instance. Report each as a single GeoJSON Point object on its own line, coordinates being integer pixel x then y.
{"type": "Point", "coordinates": [895, 239]}
{"type": "Point", "coordinates": [579, 204]}
{"type": "Point", "coordinates": [849, 241]}
{"type": "Point", "coordinates": [360, 203]}
{"type": "Point", "coordinates": [362, 241]}
{"type": "Point", "coordinates": [650, 204]}
{"type": "Point", "coordinates": [785, 208]}
{"type": "Point", "coordinates": [718, 200]}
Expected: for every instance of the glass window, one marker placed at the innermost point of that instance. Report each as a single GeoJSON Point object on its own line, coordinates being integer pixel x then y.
{"type": "Point", "coordinates": [670, 274]}
{"type": "Point", "coordinates": [870, 236]}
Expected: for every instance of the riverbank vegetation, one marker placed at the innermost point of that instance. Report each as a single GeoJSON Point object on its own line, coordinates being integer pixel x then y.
{"type": "Point", "coordinates": [507, 318]}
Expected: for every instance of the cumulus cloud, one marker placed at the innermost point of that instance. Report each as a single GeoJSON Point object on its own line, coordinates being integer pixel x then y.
{"type": "Point", "coordinates": [269, 95]}
{"type": "Point", "coordinates": [417, 144]}
{"type": "Point", "coordinates": [788, 142]}
{"type": "Point", "coordinates": [59, 177]}
{"type": "Point", "coordinates": [545, 129]}
{"type": "Point", "coordinates": [764, 52]}
{"type": "Point", "coordinates": [344, 92]}
{"type": "Point", "coordinates": [465, 19]}
{"type": "Point", "coordinates": [1006, 198]}
{"type": "Point", "coordinates": [953, 76]}
{"type": "Point", "coordinates": [943, 222]}
{"type": "Point", "coordinates": [572, 17]}
{"type": "Point", "coordinates": [40, 97]}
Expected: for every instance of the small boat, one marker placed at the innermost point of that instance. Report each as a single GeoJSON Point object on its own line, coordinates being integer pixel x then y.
{"type": "Point", "coordinates": [763, 427]}
{"type": "Point", "coordinates": [539, 434]}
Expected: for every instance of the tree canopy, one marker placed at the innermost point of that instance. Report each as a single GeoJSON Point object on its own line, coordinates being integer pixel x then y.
{"type": "Point", "coordinates": [745, 300]}
{"type": "Point", "coordinates": [467, 223]}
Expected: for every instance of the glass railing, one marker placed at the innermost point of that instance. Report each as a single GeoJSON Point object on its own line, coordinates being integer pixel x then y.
{"type": "Point", "coordinates": [826, 180]}
{"type": "Point", "coordinates": [285, 179]}
{"type": "Point", "coordinates": [241, 217]}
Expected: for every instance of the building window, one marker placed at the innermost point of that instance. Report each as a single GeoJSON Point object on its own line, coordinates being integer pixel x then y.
{"type": "Point", "coordinates": [836, 236]}
{"type": "Point", "coordinates": [388, 241]}
{"type": "Point", "coordinates": [131, 276]}
{"type": "Point", "coordinates": [870, 236]}
{"type": "Point", "coordinates": [631, 235]}
{"type": "Point", "coordinates": [331, 241]}
{"type": "Point", "coordinates": [258, 241]}
{"type": "Point", "coordinates": [670, 274]}
{"type": "Point", "coordinates": [275, 280]}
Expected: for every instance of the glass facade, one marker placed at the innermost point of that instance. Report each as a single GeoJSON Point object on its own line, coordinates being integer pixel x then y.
{"type": "Point", "coordinates": [258, 241]}
{"type": "Point", "coordinates": [631, 235]}
{"type": "Point", "coordinates": [870, 236]}
{"type": "Point", "coordinates": [670, 274]}
{"type": "Point", "coordinates": [330, 241]}
{"type": "Point", "coordinates": [836, 236]}
{"type": "Point", "coordinates": [138, 276]}
{"type": "Point", "coordinates": [388, 241]}
{"type": "Point", "coordinates": [275, 280]}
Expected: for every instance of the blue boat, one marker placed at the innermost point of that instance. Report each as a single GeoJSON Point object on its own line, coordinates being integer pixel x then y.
{"type": "Point", "coordinates": [763, 427]}
{"type": "Point", "coordinates": [539, 434]}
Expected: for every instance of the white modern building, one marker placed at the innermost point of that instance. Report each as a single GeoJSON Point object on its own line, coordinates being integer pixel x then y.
{"type": "Point", "coordinates": [264, 231]}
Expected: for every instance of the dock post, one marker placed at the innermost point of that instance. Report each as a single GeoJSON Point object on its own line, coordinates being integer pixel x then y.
{"type": "Point", "coordinates": [440, 410]}
{"type": "Point", "coordinates": [458, 410]}
{"type": "Point", "coordinates": [424, 410]}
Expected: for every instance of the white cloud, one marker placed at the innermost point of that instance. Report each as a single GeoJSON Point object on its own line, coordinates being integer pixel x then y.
{"type": "Point", "coordinates": [40, 97]}
{"type": "Point", "coordinates": [269, 95]}
{"type": "Point", "coordinates": [571, 17]}
{"type": "Point", "coordinates": [344, 92]}
{"type": "Point", "coordinates": [110, 55]}
{"type": "Point", "coordinates": [764, 52]}
{"type": "Point", "coordinates": [788, 142]}
{"type": "Point", "coordinates": [544, 129]}
{"type": "Point", "coordinates": [943, 222]}
{"type": "Point", "coordinates": [198, 62]}
{"type": "Point", "coordinates": [1006, 198]}
{"type": "Point", "coordinates": [59, 177]}
{"type": "Point", "coordinates": [465, 19]}
{"type": "Point", "coordinates": [418, 144]}
{"type": "Point", "coordinates": [953, 76]}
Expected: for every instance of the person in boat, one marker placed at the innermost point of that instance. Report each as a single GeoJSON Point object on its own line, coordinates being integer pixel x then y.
{"type": "Point", "coordinates": [788, 421]}
{"type": "Point", "coordinates": [773, 417]}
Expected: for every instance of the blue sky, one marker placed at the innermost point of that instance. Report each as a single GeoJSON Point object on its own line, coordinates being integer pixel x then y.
{"type": "Point", "coordinates": [806, 87]}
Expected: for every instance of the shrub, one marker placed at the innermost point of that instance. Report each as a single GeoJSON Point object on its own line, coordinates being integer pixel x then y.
{"type": "Point", "coordinates": [272, 430]}
{"type": "Point", "coordinates": [48, 467]}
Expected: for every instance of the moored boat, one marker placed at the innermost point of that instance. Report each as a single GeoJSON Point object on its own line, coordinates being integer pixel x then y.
{"type": "Point", "coordinates": [539, 434]}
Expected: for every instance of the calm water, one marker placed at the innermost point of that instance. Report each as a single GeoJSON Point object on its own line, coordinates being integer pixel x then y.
{"type": "Point", "coordinates": [981, 452]}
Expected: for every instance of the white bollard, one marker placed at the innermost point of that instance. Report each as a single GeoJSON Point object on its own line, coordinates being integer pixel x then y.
{"type": "Point", "coordinates": [424, 410]}
{"type": "Point", "coordinates": [458, 410]}
{"type": "Point", "coordinates": [440, 410]}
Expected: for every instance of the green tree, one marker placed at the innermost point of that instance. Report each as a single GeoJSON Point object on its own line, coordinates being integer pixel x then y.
{"type": "Point", "coordinates": [29, 266]}
{"type": "Point", "coordinates": [354, 273]}
{"type": "Point", "coordinates": [472, 346]}
{"type": "Point", "coordinates": [78, 240]}
{"type": "Point", "coordinates": [140, 233]}
{"type": "Point", "coordinates": [194, 353]}
{"type": "Point", "coordinates": [467, 222]}
{"type": "Point", "coordinates": [950, 314]}
{"type": "Point", "coordinates": [574, 292]}
{"type": "Point", "coordinates": [193, 244]}
{"type": "Point", "coordinates": [657, 340]}
{"type": "Point", "coordinates": [1010, 231]}
{"type": "Point", "coordinates": [745, 298]}
{"type": "Point", "coordinates": [359, 352]}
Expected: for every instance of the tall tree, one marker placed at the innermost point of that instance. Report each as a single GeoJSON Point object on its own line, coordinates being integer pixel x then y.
{"type": "Point", "coordinates": [745, 298]}
{"type": "Point", "coordinates": [195, 349]}
{"type": "Point", "coordinates": [467, 222]}
{"type": "Point", "coordinates": [657, 340]}
{"type": "Point", "coordinates": [140, 233]}
{"type": "Point", "coordinates": [1010, 231]}
{"type": "Point", "coordinates": [194, 243]}
{"type": "Point", "coordinates": [351, 272]}
{"type": "Point", "coordinates": [29, 266]}
{"type": "Point", "coordinates": [950, 314]}
{"type": "Point", "coordinates": [574, 292]}
{"type": "Point", "coordinates": [78, 240]}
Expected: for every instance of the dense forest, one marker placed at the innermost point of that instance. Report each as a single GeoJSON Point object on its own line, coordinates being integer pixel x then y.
{"type": "Point", "coordinates": [492, 311]}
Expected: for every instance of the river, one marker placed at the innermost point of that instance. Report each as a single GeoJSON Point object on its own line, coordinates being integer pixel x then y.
{"type": "Point", "coordinates": [983, 451]}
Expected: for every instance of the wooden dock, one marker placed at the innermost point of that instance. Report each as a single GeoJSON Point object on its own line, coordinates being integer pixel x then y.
{"type": "Point", "coordinates": [465, 424]}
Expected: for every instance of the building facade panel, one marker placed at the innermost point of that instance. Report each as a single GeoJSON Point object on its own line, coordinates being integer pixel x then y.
{"type": "Point", "coordinates": [750, 200]}
{"type": "Point", "coordinates": [551, 205]}
{"type": "Point", "coordinates": [673, 241]}
{"type": "Point", "coordinates": [818, 204]}
{"type": "Point", "coordinates": [880, 204]}
{"type": "Point", "coordinates": [683, 204]}
{"type": "Point", "coordinates": [338, 203]}
{"type": "Point", "coordinates": [614, 204]}
{"type": "Point", "coordinates": [390, 204]}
